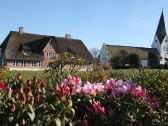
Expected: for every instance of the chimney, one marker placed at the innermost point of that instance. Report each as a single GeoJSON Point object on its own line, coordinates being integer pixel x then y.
{"type": "Point", "coordinates": [68, 36]}
{"type": "Point", "coordinates": [21, 30]}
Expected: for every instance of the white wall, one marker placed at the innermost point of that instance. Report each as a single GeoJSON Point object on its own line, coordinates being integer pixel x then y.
{"type": "Point", "coordinates": [144, 63]}
{"type": "Point", "coordinates": [105, 56]}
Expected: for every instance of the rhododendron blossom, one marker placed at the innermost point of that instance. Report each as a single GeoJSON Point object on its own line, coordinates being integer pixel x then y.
{"type": "Point", "coordinates": [98, 108]}
{"type": "Point", "coordinates": [92, 89]}
{"type": "Point", "coordinates": [73, 81]}
{"type": "Point", "coordinates": [62, 91]}
{"type": "Point", "coordinates": [109, 84]}
{"type": "Point", "coordinates": [138, 92]}
{"type": "Point", "coordinates": [120, 87]}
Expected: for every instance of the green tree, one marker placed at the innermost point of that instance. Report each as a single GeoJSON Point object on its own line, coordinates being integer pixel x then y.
{"type": "Point", "coordinates": [133, 60]}
{"type": "Point", "coordinates": [153, 59]}
{"type": "Point", "coordinates": [120, 59]}
{"type": "Point", "coordinates": [60, 66]}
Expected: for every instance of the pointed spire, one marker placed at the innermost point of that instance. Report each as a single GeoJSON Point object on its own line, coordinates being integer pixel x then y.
{"type": "Point", "coordinates": [161, 29]}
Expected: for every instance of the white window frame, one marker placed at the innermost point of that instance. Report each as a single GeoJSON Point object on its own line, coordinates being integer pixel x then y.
{"type": "Point", "coordinates": [40, 64]}
{"type": "Point", "coordinates": [34, 63]}
{"type": "Point", "coordinates": [48, 54]}
{"type": "Point", "coordinates": [23, 63]}
{"type": "Point", "coordinates": [15, 63]}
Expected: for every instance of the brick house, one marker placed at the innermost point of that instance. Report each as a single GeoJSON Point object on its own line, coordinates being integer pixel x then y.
{"type": "Point", "coordinates": [26, 51]}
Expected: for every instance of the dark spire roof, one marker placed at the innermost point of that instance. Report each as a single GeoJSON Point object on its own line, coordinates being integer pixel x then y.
{"type": "Point", "coordinates": [161, 29]}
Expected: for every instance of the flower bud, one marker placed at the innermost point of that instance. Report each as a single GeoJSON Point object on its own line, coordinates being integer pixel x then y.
{"type": "Point", "coordinates": [13, 108]}
{"type": "Point", "coordinates": [29, 82]}
{"type": "Point", "coordinates": [23, 98]}
{"type": "Point", "coordinates": [19, 76]}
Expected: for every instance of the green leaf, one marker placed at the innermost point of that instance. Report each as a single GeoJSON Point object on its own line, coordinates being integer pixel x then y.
{"type": "Point", "coordinates": [73, 112]}
{"type": "Point", "coordinates": [58, 122]}
{"type": "Point", "coordinates": [70, 124]}
{"type": "Point", "coordinates": [10, 118]}
{"type": "Point", "coordinates": [31, 114]}
{"type": "Point", "coordinates": [53, 108]}
{"type": "Point", "coordinates": [63, 122]}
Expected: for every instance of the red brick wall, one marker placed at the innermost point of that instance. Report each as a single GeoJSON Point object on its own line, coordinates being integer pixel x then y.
{"type": "Point", "coordinates": [47, 50]}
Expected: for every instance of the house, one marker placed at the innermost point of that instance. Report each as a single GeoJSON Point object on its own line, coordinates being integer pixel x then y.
{"type": "Point", "coordinates": [159, 46]}
{"type": "Point", "coordinates": [26, 51]}
{"type": "Point", "coordinates": [107, 52]}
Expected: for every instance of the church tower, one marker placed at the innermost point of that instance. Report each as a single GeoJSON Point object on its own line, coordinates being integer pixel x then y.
{"type": "Point", "coordinates": [160, 41]}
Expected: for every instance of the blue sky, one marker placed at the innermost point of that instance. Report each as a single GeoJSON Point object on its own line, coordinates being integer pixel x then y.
{"type": "Point", "coordinates": [116, 22]}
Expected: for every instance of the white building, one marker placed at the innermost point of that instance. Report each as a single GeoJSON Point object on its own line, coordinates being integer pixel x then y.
{"type": "Point", "coordinates": [160, 41]}
{"type": "Point", "coordinates": [108, 51]}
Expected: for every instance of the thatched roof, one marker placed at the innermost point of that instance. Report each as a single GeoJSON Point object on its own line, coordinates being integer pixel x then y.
{"type": "Point", "coordinates": [15, 42]}
{"type": "Point", "coordinates": [141, 51]}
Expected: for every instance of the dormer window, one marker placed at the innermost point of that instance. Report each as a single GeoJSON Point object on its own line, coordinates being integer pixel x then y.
{"type": "Point", "coordinates": [25, 52]}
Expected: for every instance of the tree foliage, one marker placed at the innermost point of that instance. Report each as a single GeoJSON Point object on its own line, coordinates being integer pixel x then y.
{"type": "Point", "coordinates": [134, 60]}
{"type": "Point", "coordinates": [124, 60]}
{"type": "Point", "coordinates": [65, 63]}
{"type": "Point", "coordinates": [95, 53]}
{"type": "Point", "coordinates": [153, 59]}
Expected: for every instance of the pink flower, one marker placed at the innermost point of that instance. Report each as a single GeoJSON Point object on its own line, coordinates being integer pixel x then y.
{"type": "Point", "coordinates": [109, 84]}
{"type": "Point", "coordinates": [76, 89]}
{"type": "Point", "coordinates": [72, 81]}
{"type": "Point", "coordinates": [92, 89]}
{"type": "Point", "coordinates": [138, 92]}
{"type": "Point", "coordinates": [98, 108]}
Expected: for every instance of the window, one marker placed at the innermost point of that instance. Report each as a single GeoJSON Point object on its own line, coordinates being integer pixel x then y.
{"type": "Point", "coordinates": [166, 40]}
{"type": "Point", "coordinates": [155, 40]}
{"type": "Point", "coordinates": [23, 63]}
{"type": "Point", "coordinates": [25, 52]}
{"type": "Point", "coordinates": [54, 54]}
{"type": "Point", "coordinates": [51, 47]}
{"type": "Point", "coordinates": [48, 54]}
{"type": "Point", "coordinates": [33, 63]}
{"type": "Point", "coordinates": [15, 62]}
{"type": "Point", "coordinates": [40, 63]}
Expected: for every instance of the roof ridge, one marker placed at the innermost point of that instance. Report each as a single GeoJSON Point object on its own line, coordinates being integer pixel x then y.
{"type": "Point", "coordinates": [46, 35]}
{"type": "Point", "coordinates": [126, 46]}
{"type": "Point", "coordinates": [30, 33]}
